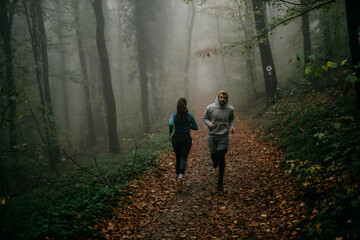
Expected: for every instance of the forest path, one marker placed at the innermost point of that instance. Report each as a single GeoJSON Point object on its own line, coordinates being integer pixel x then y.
{"type": "Point", "coordinates": [257, 201]}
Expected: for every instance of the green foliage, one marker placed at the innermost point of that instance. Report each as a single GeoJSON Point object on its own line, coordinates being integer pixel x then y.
{"type": "Point", "coordinates": [312, 67]}
{"type": "Point", "coordinates": [72, 205]}
{"type": "Point", "coordinates": [58, 212]}
{"type": "Point", "coordinates": [320, 136]}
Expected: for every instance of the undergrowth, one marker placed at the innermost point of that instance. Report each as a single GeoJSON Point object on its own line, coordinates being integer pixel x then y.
{"type": "Point", "coordinates": [320, 136]}
{"type": "Point", "coordinates": [72, 205]}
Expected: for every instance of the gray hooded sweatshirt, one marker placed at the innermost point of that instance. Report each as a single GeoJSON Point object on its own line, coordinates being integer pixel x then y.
{"type": "Point", "coordinates": [222, 116]}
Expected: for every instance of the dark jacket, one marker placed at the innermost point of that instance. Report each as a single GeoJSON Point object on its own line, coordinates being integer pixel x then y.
{"type": "Point", "coordinates": [182, 127]}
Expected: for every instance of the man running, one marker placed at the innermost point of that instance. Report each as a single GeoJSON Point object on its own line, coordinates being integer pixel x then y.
{"type": "Point", "coordinates": [219, 117]}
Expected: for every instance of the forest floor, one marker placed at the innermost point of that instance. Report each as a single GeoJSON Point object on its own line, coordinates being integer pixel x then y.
{"type": "Point", "coordinates": [258, 200]}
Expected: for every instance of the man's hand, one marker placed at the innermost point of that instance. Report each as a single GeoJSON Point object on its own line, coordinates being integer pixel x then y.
{"type": "Point", "coordinates": [232, 129]}
{"type": "Point", "coordinates": [212, 125]}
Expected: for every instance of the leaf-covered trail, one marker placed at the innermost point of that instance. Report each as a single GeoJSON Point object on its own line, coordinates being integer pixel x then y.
{"type": "Point", "coordinates": [257, 201]}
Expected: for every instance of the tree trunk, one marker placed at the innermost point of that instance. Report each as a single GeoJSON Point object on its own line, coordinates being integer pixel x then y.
{"type": "Point", "coordinates": [161, 29]}
{"type": "Point", "coordinates": [353, 22]}
{"type": "Point", "coordinates": [139, 12]}
{"type": "Point", "coordinates": [327, 39]}
{"type": "Point", "coordinates": [265, 52]}
{"type": "Point", "coordinates": [53, 143]}
{"type": "Point", "coordinates": [305, 27]}
{"type": "Point", "coordinates": [306, 34]}
{"type": "Point", "coordinates": [120, 66]}
{"type": "Point", "coordinates": [188, 55]}
{"type": "Point", "coordinates": [155, 95]}
{"type": "Point", "coordinates": [228, 83]}
{"type": "Point", "coordinates": [250, 63]}
{"type": "Point", "coordinates": [44, 57]}
{"type": "Point", "coordinates": [89, 114]}
{"type": "Point", "coordinates": [35, 49]}
{"type": "Point", "coordinates": [106, 77]}
{"type": "Point", "coordinates": [96, 92]}
{"type": "Point", "coordinates": [6, 14]}
{"type": "Point", "coordinates": [94, 76]}
{"type": "Point", "coordinates": [63, 68]}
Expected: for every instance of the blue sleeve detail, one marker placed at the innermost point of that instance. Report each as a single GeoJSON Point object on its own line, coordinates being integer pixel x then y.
{"type": "Point", "coordinates": [194, 125]}
{"type": "Point", "coordinates": [171, 123]}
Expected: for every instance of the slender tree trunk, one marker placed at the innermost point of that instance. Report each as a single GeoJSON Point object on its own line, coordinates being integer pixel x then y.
{"type": "Point", "coordinates": [53, 144]}
{"type": "Point", "coordinates": [326, 39]}
{"type": "Point", "coordinates": [306, 34]}
{"type": "Point", "coordinates": [97, 93]}
{"type": "Point", "coordinates": [94, 75]}
{"type": "Point", "coordinates": [30, 14]}
{"type": "Point", "coordinates": [120, 66]}
{"type": "Point", "coordinates": [89, 114]}
{"type": "Point", "coordinates": [228, 83]}
{"type": "Point", "coordinates": [139, 12]}
{"type": "Point", "coordinates": [161, 29]}
{"type": "Point", "coordinates": [250, 63]}
{"type": "Point", "coordinates": [63, 68]}
{"type": "Point", "coordinates": [265, 52]}
{"type": "Point", "coordinates": [326, 34]}
{"type": "Point", "coordinates": [251, 73]}
{"type": "Point", "coordinates": [35, 49]}
{"type": "Point", "coordinates": [10, 90]}
{"type": "Point", "coordinates": [106, 77]}
{"type": "Point", "coordinates": [154, 79]}
{"type": "Point", "coordinates": [155, 96]}
{"type": "Point", "coordinates": [6, 14]}
{"type": "Point", "coordinates": [353, 22]}
{"type": "Point", "coordinates": [305, 27]}
{"type": "Point", "coordinates": [188, 55]}
{"type": "Point", "coordinates": [44, 57]}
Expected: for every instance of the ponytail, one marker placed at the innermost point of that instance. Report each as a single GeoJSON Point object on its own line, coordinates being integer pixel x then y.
{"type": "Point", "coordinates": [182, 112]}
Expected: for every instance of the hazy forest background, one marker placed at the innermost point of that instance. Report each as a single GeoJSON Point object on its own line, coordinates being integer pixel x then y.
{"type": "Point", "coordinates": [87, 88]}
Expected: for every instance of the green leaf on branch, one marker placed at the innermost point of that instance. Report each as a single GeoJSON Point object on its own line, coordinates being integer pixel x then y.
{"type": "Point", "coordinates": [318, 73]}
{"type": "Point", "coordinates": [310, 58]}
{"type": "Point", "coordinates": [351, 78]}
{"type": "Point", "coordinates": [319, 135]}
{"type": "Point", "coordinates": [299, 56]}
{"type": "Point", "coordinates": [343, 62]}
{"type": "Point", "coordinates": [308, 70]}
{"type": "Point", "coordinates": [331, 64]}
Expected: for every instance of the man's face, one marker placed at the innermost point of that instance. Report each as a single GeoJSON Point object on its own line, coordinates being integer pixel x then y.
{"type": "Point", "coordinates": [222, 99]}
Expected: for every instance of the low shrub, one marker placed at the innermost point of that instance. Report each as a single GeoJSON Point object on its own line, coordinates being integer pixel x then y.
{"type": "Point", "coordinates": [320, 136]}
{"type": "Point", "coordinates": [71, 205]}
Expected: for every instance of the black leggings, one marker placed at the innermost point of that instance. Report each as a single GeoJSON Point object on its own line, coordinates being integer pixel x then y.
{"type": "Point", "coordinates": [182, 145]}
{"type": "Point", "coordinates": [219, 157]}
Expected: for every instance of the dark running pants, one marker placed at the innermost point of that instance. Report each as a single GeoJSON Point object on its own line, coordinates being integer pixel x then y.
{"type": "Point", "coordinates": [182, 145]}
{"type": "Point", "coordinates": [219, 157]}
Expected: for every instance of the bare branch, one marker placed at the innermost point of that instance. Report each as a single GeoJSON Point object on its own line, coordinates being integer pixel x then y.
{"type": "Point", "coordinates": [102, 181]}
{"type": "Point", "coordinates": [314, 5]}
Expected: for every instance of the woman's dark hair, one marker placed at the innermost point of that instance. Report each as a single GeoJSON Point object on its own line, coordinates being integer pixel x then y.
{"type": "Point", "coordinates": [182, 112]}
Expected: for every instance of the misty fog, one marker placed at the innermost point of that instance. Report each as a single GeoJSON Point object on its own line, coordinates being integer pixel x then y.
{"type": "Point", "coordinates": [166, 29]}
{"type": "Point", "coordinates": [89, 75]}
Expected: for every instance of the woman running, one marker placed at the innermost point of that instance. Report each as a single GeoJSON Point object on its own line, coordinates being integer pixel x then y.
{"type": "Point", "coordinates": [181, 140]}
